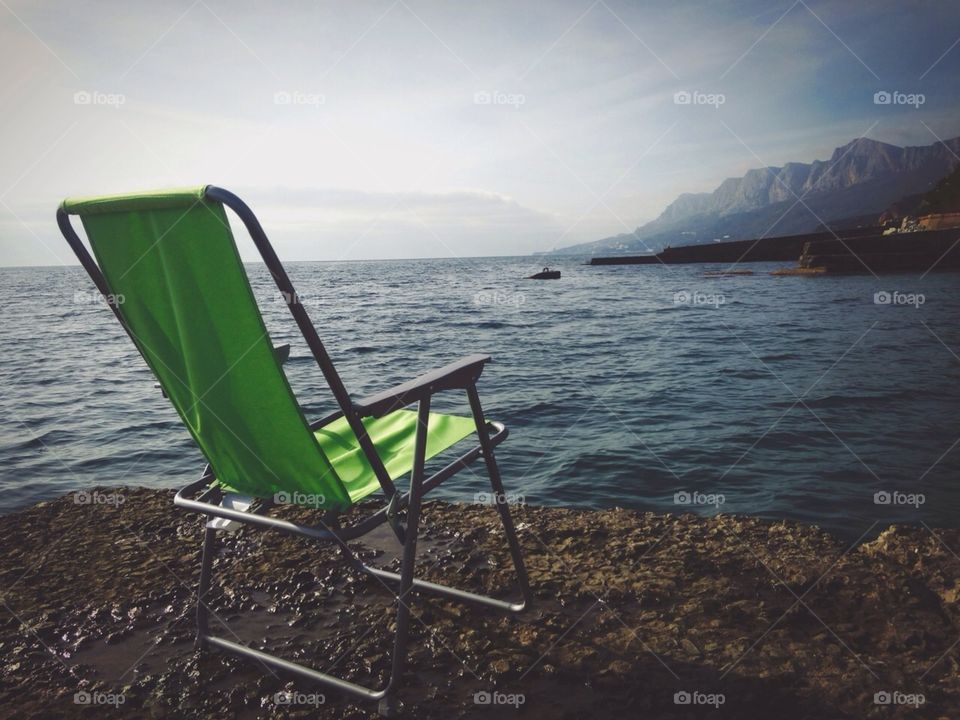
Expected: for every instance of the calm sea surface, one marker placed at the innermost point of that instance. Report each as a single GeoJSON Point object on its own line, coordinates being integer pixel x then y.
{"type": "Point", "coordinates": [783, 397]}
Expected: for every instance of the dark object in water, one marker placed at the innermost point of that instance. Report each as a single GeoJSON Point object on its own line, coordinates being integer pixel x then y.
{"type": "Point", "coordinates": [725, 273]}
{"type": "Point", "coordinates": [546, 274]}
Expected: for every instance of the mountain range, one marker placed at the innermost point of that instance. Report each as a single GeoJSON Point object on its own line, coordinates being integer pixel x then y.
{"type": "Point", "coordinates": [859, 181]}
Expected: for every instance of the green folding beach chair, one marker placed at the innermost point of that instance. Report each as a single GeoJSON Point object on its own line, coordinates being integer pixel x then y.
{"type": "Point", "coordinates": [167, 264]}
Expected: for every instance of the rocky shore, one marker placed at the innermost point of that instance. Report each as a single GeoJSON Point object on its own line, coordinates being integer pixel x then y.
{"type": "Point", "coordinates": [638, 616]}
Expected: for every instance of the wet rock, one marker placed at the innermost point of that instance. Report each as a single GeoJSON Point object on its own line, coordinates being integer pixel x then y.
{"type": "Point", "coordinates": [690, 647]}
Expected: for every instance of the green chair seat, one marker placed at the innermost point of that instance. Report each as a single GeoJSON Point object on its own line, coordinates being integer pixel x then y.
{"type": "Point", "coordinates": [393, 436]}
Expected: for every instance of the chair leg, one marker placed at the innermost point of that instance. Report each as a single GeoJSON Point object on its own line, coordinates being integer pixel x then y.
{"type": "Point", "coordinates": [496, 484]}
{"type": "Point", "coordinates": [516, 554]}
{"type": "Point", "coordinates": [389, 705]}
{"type": "Point", "coordinates": [206, 566]}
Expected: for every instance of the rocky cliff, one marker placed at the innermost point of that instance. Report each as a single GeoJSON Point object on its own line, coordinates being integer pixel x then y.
{"type": "Point", "coordinates": [861, 178]}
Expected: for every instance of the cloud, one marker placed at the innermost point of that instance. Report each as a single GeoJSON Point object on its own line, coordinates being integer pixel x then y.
{"type": "Point", "coordinates": [333, 224]}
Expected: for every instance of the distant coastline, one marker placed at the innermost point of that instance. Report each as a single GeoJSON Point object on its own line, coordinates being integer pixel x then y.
{"type": "Point", "coordinates": [865, 183]}
{"type": "Point", "coordinates": [860, 250]}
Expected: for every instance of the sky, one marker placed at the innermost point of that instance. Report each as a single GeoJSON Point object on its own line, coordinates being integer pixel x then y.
{"type": "Point", "coordinates": [406, 128]}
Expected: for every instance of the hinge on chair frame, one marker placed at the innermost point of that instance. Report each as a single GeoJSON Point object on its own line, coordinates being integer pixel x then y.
{"type": "Point", "coordinates": [393, 518]}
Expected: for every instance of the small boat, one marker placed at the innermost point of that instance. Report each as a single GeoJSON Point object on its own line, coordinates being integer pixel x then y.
{"type": "Point", "coordinates": [546, 274]}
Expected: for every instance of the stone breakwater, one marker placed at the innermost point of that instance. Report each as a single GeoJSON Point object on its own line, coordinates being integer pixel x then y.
{"type": "Point", "coordinates": [637, 615]}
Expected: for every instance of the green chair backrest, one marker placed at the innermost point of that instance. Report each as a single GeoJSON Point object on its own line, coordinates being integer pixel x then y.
{"type": "Point", "coordinates": [171, 263]}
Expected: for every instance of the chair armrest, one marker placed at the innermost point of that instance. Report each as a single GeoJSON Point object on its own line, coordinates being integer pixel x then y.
{"type": "Point", "coordinates": [457, 375]}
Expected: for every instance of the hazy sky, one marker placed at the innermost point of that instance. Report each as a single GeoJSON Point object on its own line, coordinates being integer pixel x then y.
{"type": "Point", "coordinates": [409, 129]}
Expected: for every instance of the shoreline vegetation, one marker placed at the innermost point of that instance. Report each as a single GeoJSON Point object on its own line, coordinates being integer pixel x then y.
{"type": "Point", "coordinates": [637, 615]}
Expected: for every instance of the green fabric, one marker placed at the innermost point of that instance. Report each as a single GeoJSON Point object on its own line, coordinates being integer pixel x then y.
{"type": "Point", "coordinates": [393, 435]}
{"type": "Point", "coordinates": [170, 260]}
{"type": "Point", "coordinates": [156, 199]}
